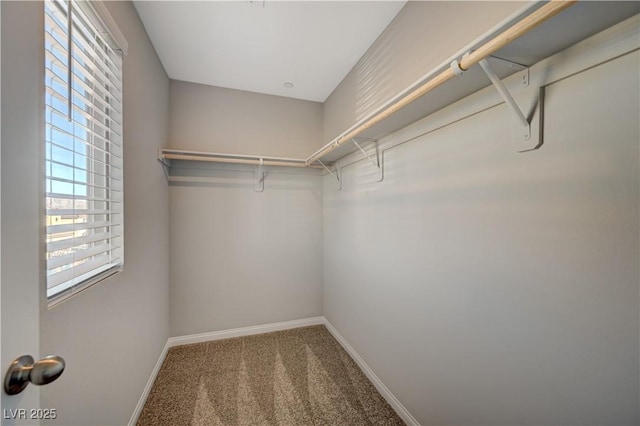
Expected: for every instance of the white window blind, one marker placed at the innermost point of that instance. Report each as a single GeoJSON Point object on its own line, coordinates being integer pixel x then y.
{"type": "Point", "coordinates": [83, 144]}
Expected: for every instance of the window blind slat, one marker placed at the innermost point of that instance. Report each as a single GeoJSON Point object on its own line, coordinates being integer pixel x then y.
{"type": "Point", "coordinates": [58, 69]}
{"type": "Point", "coordinates": [84, 142]}
{"type": "Point", "coordinates": [67, 243]}
{"type": "Point", "coordinates": [55, 36]}
{"type": "Point", "coordinates": [114, 162]}
{"type": "Point", "coordinates": [60, 78]}
{"type": "Point", "coordinates": [78, 212]}
{"type": "Point", "coordinates": [96, 77]}
{"type": "Point", "coordinates": [92, 41]}
{"type": "Point", "coordinates": [110, 159]}
{"type": "Point", "coordinates": [98, 45]}
{"type": "Point", "coordinates": [114, 173]}
{"type": "Point", "coordinates": [105, 77]}
{"type": "Point", "coordinates": [87, 185]}
{"type": "Point", "coordinates": [80, 254]}
{"type": "Point", "coordinates": [101, 75]}
{"type": "Point", "coordinates": [68, 288]}
{"type": "Point", "coordinates": [101, 110]}
{"type": "Point", "coordinates": [56, 24]}
{"type": "Point", "coordinates": [91, 98]}
{"type": "Point", "coordinates": [77, 227]}
{"type": "Point", "coordinates": [78, 197]}
{"type": "Point", "coordinates": [56, 279]}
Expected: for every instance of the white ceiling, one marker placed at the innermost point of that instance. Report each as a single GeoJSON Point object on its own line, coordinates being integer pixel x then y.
{"type": "Point", "coordinates": [258, 46]}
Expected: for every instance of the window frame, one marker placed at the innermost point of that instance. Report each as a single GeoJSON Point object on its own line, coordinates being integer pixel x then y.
{"type": "Point", "coordinates": [88, 246]}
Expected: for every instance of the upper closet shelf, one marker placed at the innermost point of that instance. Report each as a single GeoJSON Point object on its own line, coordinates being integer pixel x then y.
{"type": "Point", "coordinates": [178, 154]}
{"type": "Point", "coordinates": [538, 30]}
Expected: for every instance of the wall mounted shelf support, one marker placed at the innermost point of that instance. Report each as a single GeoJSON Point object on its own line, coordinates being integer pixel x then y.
{"type": "Point", "coordinates": [335, 174]}
{"type": "Point", "coordinates": [506, 95]}
{"type": "Point", "coordinates": [377, 161]}
{"type": "Point", "coordinates": [166, 164]}
{"type": "Point", "coordinates": [259, 177]}
{"type": "Point", "coordinates": [516, 66]}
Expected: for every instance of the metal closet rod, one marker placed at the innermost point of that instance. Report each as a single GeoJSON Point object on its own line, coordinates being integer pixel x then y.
{"type": "Point", "coordinates": [175, 154]}
{"type": "Point", "coordinates": [520, 28]}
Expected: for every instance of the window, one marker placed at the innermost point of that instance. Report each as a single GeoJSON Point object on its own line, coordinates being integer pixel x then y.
{"type": "Point", "coordinates": [83, 144]}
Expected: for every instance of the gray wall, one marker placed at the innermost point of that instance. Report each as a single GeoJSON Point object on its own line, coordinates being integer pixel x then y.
{"type": "Point", "coordinates": [485, 286]}
{"type": "Point", "coordinates": [215, 119]}
{"type": "Point", "coordinates": [240, 257]}
{"type": "Point", "coordinates": [112, 334]}
{"type": "Point", "coordinates": [420, 37]}
{"type": "Point", "coordinates": [231, 264]}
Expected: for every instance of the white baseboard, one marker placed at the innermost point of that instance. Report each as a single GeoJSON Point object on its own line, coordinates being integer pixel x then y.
{"type": "Point", "coordinates": [244, 331]}
{"type": "Point", "coordinates": [384, 391]}
{"type": "Point", "coordinates": [267, 328]}
{"type": "Point", "coordinates": [147, 388]}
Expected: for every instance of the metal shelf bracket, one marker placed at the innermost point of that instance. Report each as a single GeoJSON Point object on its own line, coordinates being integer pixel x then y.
{"type": "Point", "coordinates": [335, 174]}
{"type": "Point", "coordinates": [523, 69]}
{"type": "Point", "coordinates": [376, 161]}
{"type": "Point", "coordinates": [166, 164]}
{"type": "Point", "coordinates": [259, 177]}
{"type": "Point", "coordinates": [506, 95]}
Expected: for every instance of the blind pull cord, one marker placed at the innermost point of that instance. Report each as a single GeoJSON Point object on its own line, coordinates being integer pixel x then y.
{"type": "Point", "coordinates": [70, 59]}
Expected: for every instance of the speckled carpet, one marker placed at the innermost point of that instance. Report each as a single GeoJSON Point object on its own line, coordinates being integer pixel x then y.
{"type": "Point", "coordinates": [293, 377]}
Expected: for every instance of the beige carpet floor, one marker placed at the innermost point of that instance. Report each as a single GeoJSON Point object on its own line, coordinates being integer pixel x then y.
{"type": "Point", "coordinates": [293, 377]}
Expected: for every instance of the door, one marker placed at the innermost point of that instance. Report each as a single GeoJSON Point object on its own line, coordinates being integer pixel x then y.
{"type": "Point", "coordinates": [21, 185]}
